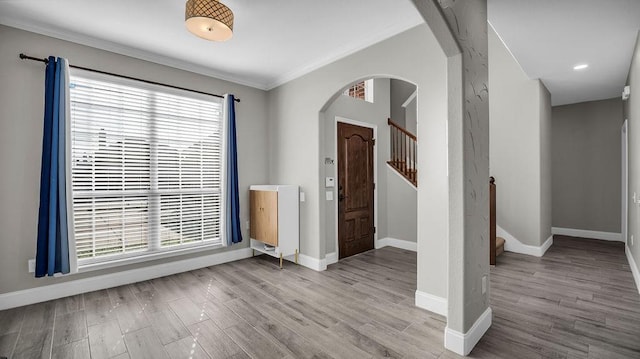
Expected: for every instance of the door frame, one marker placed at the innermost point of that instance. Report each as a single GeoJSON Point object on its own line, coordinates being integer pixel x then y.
{"type": "Point", "coordinates": [624, 132]}
{"type": "Point", "coordinates": [375, 178]}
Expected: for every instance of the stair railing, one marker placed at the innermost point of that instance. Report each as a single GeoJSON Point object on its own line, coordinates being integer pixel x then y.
{"type": "Point", "coordinates": [404, 147]}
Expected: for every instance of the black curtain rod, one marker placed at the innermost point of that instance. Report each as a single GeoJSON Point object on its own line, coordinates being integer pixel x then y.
{"type": "Point", "coordinates": [27, 57]}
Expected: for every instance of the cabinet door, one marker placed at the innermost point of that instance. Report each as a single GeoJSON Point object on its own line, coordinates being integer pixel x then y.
{"type": "Point", "coordinates": [264, 216]}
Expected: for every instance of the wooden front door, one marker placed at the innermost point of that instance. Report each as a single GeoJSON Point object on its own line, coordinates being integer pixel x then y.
{"type": "Point", "coordinates": [355, 189]}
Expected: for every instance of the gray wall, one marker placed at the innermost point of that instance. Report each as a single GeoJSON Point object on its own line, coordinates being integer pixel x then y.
{"type": "Point", "coordinates": [402, 205]}
{"type": "Point", "coordinates": [463, 37]}
{"type": "Point", "coordinates": [400, 92]}
{"type": "Point", "coordinates": [546, 165]}
{"type": "Point", "coordinates": [519, 147]}
{"type": "Point", "coordinates": [375, 113]}
{"type": "Point", "coordinates": [297, 140]}
{"type": "Point", "coordinates": [397, 199]}
{"type": "Point", "coordinates": [632, 113]}
{"type": "Point", "coordinates": [411, 116]}
{"type": "Point", "coordinates": [21, 101]}
{"type": "Point", "coordinates": [587, 165]}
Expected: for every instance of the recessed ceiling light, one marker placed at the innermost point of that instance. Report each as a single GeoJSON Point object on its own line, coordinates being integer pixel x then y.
{"type": "Point", "coordinates": [580, 67]}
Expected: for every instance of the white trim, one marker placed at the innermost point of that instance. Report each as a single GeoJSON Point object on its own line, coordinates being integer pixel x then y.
{"type": "Point", "coordinates": [508, 50]}
{"type": "Point", "coordinates": [65, 289]}
{"type": "Point", "coordinates": [295, 73]}
{"type": "Point", "coordinates": [431, 303]}
{"type": "Point", "coordinates": [546, 245]}
{"type": "Point", "coordinates": [396, 243]}
{"type": "Point", "coordinates": [331, 258]}
{"type": "Point", "coordinates": [131, 52]}
{"type": "Point", "coordinates": [511, 244]}
{"type": "Point", "coordinates": [634, 267]}
{"type": "Point", "coordinates": [375, 175]}
{"type": "Point", "coordinates": [394, 171]}
{"type": "Point", "coordinates": [625, 181]}
{"type": "Point", "coordinates": [605, 236]}
{"type": "Point", "coordinates": [341, 53]}
{"type": "Point", "coordinates": [316, 264]}
{"type": "Point", "coordinates": [463, 344]}
{"type": "Point", "coordinates": [410, 98]}
{"type": "Point", "coordinates": [223, 172]}
{"type": "Point", "coordinates": [146, 256]}
{"type": "Point", "coordinates": [368, 90]}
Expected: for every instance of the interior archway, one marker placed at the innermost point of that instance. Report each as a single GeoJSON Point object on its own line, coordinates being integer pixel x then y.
{"type": "Point", "coordinates": [383, 98]}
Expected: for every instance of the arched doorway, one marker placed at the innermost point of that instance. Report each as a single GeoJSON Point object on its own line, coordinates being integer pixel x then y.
{"type": "Point", "coordinates": [363, 112]}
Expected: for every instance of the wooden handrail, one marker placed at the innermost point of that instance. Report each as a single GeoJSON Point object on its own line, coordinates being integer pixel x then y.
{"type": "Point", "coordinates": [403, 152]}
{"type": "Point", "coordinates": [409, 134]}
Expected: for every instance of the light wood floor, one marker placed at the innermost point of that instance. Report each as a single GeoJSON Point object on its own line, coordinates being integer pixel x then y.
{"type": "Point", "coordinates": [579, 301]}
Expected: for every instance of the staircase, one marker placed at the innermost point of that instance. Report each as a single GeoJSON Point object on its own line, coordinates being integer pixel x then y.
{"type": "Point", "coordinates": [499, 246]}
{"type": "Point", "coordinates": [496, 246]}
{"type": "Point", "coordinates": [404, 147]}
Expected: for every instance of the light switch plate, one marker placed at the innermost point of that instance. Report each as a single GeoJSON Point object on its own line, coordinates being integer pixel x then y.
{"type": "Point", "coordinates": [32, 265]}
{"type": "Point", "coordinates": [484, 284]}
{"type": "Point", "coordinates": [329, 195]}
{"type": "Point", "coordinates": [302, 199]}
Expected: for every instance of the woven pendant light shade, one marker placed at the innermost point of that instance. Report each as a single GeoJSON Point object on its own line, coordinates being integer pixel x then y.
{"type": "Point", "coordinates": [209, 19]}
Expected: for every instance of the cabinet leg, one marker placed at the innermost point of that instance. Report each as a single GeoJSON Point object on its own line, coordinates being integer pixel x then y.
{"type": "Point", "coordinates": [296, 256]}
{"type": "Point", "coordinates": [280, 260]}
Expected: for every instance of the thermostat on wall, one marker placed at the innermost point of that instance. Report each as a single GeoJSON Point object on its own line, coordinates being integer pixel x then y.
{"type": "Point", "coordinates": [330, 182]}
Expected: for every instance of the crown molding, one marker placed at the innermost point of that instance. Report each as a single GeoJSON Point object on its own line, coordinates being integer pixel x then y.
{"type": "Point", "coordinates": [343, 52]}
{"type": "Point", "coordinates": [126, 51]}
{"type": "Point", "coordinates": [339, 53]}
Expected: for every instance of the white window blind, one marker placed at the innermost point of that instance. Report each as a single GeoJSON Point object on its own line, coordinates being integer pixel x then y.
{"type": "Point", "coordinates": [146, 168]}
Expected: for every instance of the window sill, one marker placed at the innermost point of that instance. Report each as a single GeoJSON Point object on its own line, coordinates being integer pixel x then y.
{"type": "Point", "coordinates": [89, 266]}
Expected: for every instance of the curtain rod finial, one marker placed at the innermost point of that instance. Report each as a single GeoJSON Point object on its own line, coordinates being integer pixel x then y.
{"type": "Point", "coordinates": [27, 57]}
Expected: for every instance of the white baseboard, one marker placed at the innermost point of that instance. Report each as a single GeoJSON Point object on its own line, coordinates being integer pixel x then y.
{"type": "Point", "coordinates": [65, 289]}
{"type": "Point", "coordinates": [331, 258]}
{"type": "Point", "coordinates": [605, 236]}
{"type": "Point", "coordinates": [463, 344]}
{"type": "Point", "coordinates": [396, 243]}
{"type": "Point", "coordinates": [431, 303]}
{"type": "Point", "coordinates": [512, 244]}
{"type": "Point", "coordinates": [546, 245]}
{"type": "Point", "coordinates": [316, 264]}
{"type": "Point", "coordinates": [634, 267]}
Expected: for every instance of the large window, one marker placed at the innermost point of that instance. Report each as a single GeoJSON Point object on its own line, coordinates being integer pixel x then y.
{"type": "Point", "coordinates": [146, 168]}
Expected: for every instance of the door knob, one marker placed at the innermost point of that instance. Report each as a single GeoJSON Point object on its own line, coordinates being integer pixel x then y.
{"type": "Point", "coordinates": [341, 197]}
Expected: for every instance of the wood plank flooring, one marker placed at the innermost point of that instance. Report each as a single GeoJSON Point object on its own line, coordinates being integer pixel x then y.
{"type": "Point", "coordinates": [579, 301]}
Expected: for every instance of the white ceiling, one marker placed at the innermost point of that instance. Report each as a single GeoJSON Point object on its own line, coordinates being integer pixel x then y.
{"type": "Point", "coordinates": [274, 41]}
{"type": "Point", "coordinates": [549, 37]}
{"type": "Point", "coordinates": [278, 40]}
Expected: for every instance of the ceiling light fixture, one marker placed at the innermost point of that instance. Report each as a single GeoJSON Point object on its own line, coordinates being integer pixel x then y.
{"type": "Point", "coordinates": [580, 67]}
{"type": "Point", "coordinates": [209, 19]}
